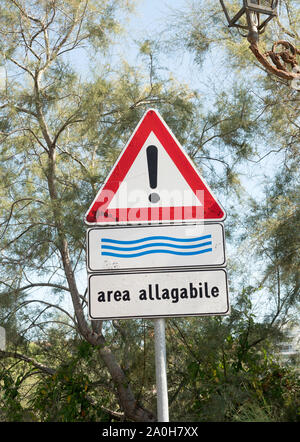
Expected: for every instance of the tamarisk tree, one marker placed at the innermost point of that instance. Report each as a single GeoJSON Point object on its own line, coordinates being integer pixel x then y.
{"type": "Point", "coordinates": [59, 135]}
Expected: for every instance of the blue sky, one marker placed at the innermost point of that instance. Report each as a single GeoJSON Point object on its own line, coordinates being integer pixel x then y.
{"type": "Point", "coordinates": [150, 20]}
{"type": "Point", "coordinates": [151, 16]}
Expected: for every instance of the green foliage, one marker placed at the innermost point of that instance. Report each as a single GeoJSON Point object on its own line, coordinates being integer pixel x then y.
{"type": "Point", "coordinates": [222, 375]}
{"type": "Point", "coordinates": [60, 133]}
{"type": "Point", "coordinates": [66, 395]}
{"type": "Point", "coordinates": [10, 398]}
{"type": "Point", "coordinates": [63, 397]}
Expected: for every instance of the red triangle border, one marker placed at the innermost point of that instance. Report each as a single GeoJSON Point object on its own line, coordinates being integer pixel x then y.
{"type": "Point", "coordinates": [152, 122]}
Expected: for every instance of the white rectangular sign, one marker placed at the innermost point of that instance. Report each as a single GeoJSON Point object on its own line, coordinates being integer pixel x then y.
{"type": "Point", "coordinates": [158, 294]}
{"type": "Point", "coordinates": [155, 247]}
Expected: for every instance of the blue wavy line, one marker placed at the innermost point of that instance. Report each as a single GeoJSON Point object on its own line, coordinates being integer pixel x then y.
{"type": "Point", "coordinates": [147, 252]}
{"type": "Point", "coordinates": [156, 244]}
{"type": "Point", "coordinates": [148, 238]}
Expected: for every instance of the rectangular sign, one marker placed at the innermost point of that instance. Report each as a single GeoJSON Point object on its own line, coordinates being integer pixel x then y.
{"type": "Point", "coordinates": [155, 247]}
{"type": "Point", "coordinates": [158, 294]}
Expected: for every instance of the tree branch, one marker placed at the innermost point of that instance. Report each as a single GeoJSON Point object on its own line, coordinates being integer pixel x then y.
{"type": "Point", "coordinates": [15, 355]}
{"type": "Point", "coordinates": [25, 303]}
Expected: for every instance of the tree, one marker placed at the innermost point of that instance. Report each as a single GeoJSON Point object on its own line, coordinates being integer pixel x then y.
{"type": "Point", "coordinates": [59, 137]}
{"type": "Point", "coordinates": [255, 133]}
{"type": "Point", "coordinates": [265, 132]}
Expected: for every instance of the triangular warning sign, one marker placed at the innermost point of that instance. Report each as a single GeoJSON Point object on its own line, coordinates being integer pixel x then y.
{"type": "Point", "coordinates": [153, 180]}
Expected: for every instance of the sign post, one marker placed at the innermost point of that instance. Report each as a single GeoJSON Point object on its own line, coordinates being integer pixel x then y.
{"type": "Point", "coordinates": [161, 370]}
{"type": "Point", "coordinates": [156, 242]}
{"type": "Point", "coordinates": [2, 339]}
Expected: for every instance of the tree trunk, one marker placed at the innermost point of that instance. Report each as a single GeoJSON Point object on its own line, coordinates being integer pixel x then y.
{"type": "Point", "coordinates": [132, 410]}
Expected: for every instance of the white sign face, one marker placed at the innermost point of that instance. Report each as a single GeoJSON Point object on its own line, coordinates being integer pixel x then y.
{"type": "Point", "coordinates": [2, 339]}
{"type": "Point", "coordinates": [161, 294]}
{"type": "Point", "coordinates": [155, 247]}
{"type": "Point", "coordinates": [135, 187]}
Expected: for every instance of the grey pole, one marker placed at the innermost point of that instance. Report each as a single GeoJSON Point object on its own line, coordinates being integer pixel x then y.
{"type": "Point", "coordinates": [2, 339]}
{"type": "Point", "coordinates": [161, 370]}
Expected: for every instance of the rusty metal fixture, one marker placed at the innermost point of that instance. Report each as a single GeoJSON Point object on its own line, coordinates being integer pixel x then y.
{"type": "Point", "coordinates": [279, 60]}
{"type": "Point", "coordinates": [253, 16]}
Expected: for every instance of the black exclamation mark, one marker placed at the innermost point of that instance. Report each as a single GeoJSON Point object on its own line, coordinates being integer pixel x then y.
{"type": "Point", "coordinates": [152, 172]}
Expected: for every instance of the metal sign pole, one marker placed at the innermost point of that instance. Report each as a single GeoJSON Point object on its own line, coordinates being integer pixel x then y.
{"type": "Point", "coordinates": [2, 339]}
{"type": "Point", "coordinates": [161, 370]}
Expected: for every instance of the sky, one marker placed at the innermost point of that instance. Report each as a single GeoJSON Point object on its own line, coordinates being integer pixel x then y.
{"type": "Point", "coordinates": [150, 18]}
{"type": "Point", "coordinates": [150, 21]}
{"type": "Point", "coordinates": [153, 19]}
